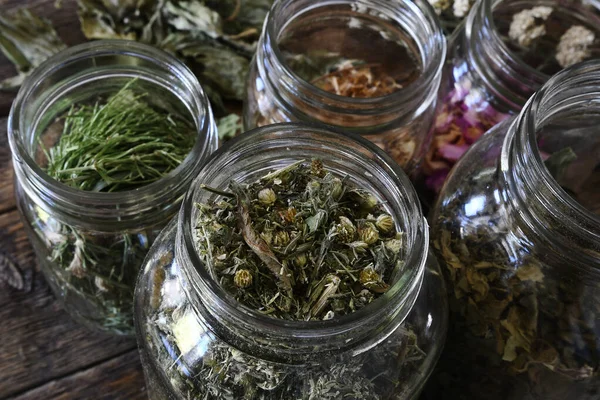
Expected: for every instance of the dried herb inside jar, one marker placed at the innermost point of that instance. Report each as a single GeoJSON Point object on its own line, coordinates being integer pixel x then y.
{"type": "Point", "coordinates": [221, 372]}
{"type": "Point", "coordinates": [300, 243]}
{"type": "Point", "coordinates": [116, 144]}
{"type": "Point", "coordinates": [547, 38]}
{"type": "Point", "coordinates": [520, 328]}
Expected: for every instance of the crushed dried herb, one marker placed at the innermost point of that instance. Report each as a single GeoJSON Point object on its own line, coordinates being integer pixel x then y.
{"type": "Point", "coordinates": [300, 244]}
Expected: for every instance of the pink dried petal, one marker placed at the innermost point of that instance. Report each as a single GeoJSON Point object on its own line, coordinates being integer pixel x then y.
{"type": "Point", "coordinates": [453, 152]}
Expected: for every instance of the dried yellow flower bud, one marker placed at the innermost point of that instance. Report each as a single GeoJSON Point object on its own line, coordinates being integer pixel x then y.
{"type": "Point", "coordinates": [372, 281]}
{"type": "Point", "coordinates": [281, 238]}
{"type": "Point", "coordinates": [289, 215]}
{"type": "Point", "coordinates": [300, 260]}
{"type": "Point", "coordinates": [267, 237]}
{"type": "Point", "coordinates": [394, 245]}
{"type": "Point", "coordinates": [368, 275]}
{"type": "Point", "coordinates": [242, 278]}
{"type": "Point", "coordinates": [267, 196]}
{"type": "Point", "coordinates": [370, 201]}
{"type": "Point", "coordinates": [316, 168]}
{"type": "Point", "coordinates": [336, 188]}
{"type": "Point", "coordinates": [385, 223]}
{"type": "Point", "coordinates": [345, 230]}
{"type": "Point", "coordinates": [368, 233]}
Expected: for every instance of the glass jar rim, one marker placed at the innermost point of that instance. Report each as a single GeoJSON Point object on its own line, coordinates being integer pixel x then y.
{"type": "Point", "coordinates": [223, 304]}
{"type": "Point", "coordinates": [125, 204]}
{"type": "Point", "coordinates": [557, 83]}
{"type": "Point", "coordinates": [412, 91]}
{"type": "Point", "coordinates": [523, 135]}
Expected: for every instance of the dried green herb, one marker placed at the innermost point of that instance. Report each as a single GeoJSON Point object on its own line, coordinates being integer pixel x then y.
{"type": "Point", "coordinates": [119, 145]}
{"type": "Point", "coordinates": [300, 243]}
{"type": "Point", "coordinates": [116, 144]}
{"type": "Point", "coordinates": [27, 40]}
{"type": "Point", "coordinates": [215, 38]}
{"type": "Point", "coordinates": [222, 372]}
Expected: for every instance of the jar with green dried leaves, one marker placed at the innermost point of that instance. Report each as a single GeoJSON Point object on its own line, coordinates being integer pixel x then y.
{"type": "Point", "coordinates": [298, 268]}
{"type": "Point", "coordinates": [368, 67]}
{"type": "Point", "coordinates": [503, 52]}
{"type": "Point", "coordinates": [517, 231]}
{"type": "Point", "coordinates": [106, 138]}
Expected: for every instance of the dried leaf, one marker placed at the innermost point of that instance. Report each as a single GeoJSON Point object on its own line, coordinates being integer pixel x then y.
{"type": "Point", "coordinates": [258, 245]}
{"type": "Point", "coordinates": [530, 272]}
{"type": "Point", "coordinates": [116, 19]}
{"type": "Point", "coordinates": [214, 64]}
{"type": "Point", "coordinates": [193, 16]}
{"type": "Point", "coordinates": [27, 40]}
{"type": "Point", "coordinates": [229, 127]}
{"type": "Point", "coordinates": [10, 273]}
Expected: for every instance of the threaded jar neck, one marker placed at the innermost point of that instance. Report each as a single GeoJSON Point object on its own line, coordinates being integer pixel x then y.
{"type": "Point", "coordinates": [509, 78]}
{"type": "Point", "coordinates": [80, 74]}
{"type": "Point", "coordinates": [562, 117]}
{"type": "Point", "coordinates": [304, 101]}
{"type": "Point", "coordinates": [251, 156]}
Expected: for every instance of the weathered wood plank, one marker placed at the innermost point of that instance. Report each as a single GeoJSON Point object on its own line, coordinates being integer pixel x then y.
{"type": "Point", "coordinates": [7, 201]}
{"type": "Point", "coordinates": [65, 22]}
{"type": "Point", "coordinates": [40, 342]}
{"type": "Point", "coordinates": [119, 378]}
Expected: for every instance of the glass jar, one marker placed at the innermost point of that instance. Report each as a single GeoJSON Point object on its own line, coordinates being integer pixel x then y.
{"type": "Point", "coordinates": [303, 41]}
{"type": "Point", "coordinates": [488, 76]}
{"type": "Point", "coordinates": [197, 341]}
{"type": "Point", "coordinates": [517, 232]}
{"type": "Point", "coordinates": [90, 244]}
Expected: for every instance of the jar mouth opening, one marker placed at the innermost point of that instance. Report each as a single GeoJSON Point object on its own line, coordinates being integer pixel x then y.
{"type": "Point", "coordinates": [94, 204]}
{"type": "Point", "coordinates": [551, 99]}
{"type": "Point", "coordinates": [524, 78]}
{"type": "Point", "coordinates": [431, 52]}
{"type": "Point", "coordinates": [320, 140]}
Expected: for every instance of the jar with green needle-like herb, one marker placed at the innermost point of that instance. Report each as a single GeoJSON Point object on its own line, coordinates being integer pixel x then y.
{"type": "Point", "coordinates": [517, 232]}
{"type": "Point", "coordinates": [106, 138]}
{"type": "Point", "coordinates": [298, 268]}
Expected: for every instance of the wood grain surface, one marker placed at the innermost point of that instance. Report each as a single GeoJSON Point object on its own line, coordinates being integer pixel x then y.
{"type": "Point", "coordinates": [44, 354]}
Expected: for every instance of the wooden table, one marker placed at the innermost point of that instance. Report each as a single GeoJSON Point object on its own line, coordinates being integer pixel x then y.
{"type": "Point", "coordinates": [43, 353]}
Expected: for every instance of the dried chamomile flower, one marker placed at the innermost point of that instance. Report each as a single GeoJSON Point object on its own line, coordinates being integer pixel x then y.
{"type": "Point", "coordinates": [461, 8]}
{"type": "Point", "coordinates": [528, 25]}
{"type": "Point", "coordinates": [267, 196]}
{"type": "Point", "coordinates": [368, 233]}
{"type": "Point", "coordinates": [385, 223]}
{"type": "Point", "coordinates": [440, 6]}
{"type": "Point", "coordinates": [574, 46]}
{"type": "Point", "coordinates": [345, 230]}
{"type": "Point", "coordinates": [242, 278]}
